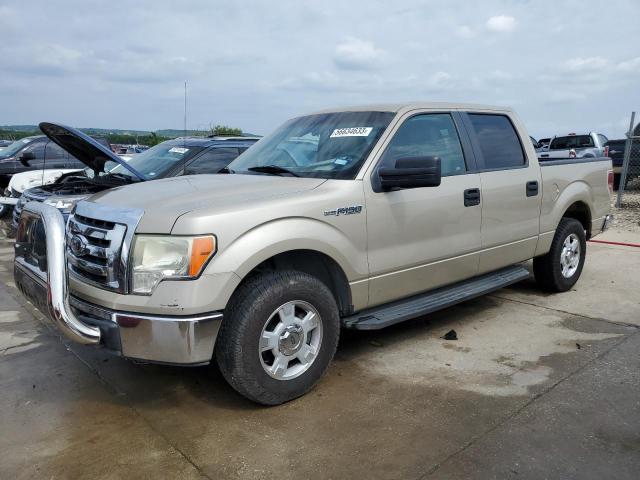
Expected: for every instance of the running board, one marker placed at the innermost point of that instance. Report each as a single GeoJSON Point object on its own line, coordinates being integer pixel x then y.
{"type": "Point", "coordinates": [416, 306]}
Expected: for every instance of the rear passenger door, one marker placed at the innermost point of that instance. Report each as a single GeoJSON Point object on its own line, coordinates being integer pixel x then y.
{"type": "Point", "coordinates": [511, 190]}
{"type": "Point", "coordinates": [211, 161]}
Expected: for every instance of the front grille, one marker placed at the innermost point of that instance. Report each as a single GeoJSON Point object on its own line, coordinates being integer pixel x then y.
{"type": "Point", "coordinates": [93, 251]}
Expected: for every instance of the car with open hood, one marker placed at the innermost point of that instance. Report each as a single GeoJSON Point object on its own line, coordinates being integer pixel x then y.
{"type": "Point", "coordinates": [104, 169]}
{"type": "Point", "coordinates": [34, 154]}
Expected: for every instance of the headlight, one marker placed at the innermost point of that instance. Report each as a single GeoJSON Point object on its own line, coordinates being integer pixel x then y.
{"type": "Point", "coordinates": [156, 258]}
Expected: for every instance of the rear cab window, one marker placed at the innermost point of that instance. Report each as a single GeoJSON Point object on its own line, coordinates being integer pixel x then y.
{"type": "Point", "coordinates": [571, 141]}
{"type": "Point", "coordinates": [498, 141]}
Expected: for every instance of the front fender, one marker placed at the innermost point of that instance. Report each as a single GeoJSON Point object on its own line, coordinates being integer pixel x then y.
{"type": "Point", "coordinates": [294, 233]}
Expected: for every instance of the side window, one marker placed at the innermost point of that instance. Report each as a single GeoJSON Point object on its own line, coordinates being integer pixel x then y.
{"type": "Point", "coordinates": [431, 134]}
{"type": "Point", "coordinates": [37, 148]}
{"type": "Point", "coordinates": [211, 161]}
{"type": "Point", "coordinates": [54, 151]}
{"type": "Point", "coordinates": [499, 142]}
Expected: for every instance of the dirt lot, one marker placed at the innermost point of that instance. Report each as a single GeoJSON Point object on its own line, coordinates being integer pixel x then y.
{"type": "Point", "coordinates": [627, 217]}
{"type": "Point", "coordinates": [536, 386]}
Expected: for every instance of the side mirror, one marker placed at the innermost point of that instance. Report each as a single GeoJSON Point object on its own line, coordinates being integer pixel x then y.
{"type": "Point", "coordinates": [25, 157]}
{"type": "Point", "coordinates": [412, 172]}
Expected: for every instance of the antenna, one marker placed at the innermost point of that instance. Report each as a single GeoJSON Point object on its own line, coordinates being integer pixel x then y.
{"type": "Point", "coordinates": [44, 161]}
{"type": "Point", "coordinates": [184, 136]}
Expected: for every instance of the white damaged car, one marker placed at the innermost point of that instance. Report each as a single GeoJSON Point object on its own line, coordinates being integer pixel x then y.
{"type": "Point", "coordinates": [22, 181]}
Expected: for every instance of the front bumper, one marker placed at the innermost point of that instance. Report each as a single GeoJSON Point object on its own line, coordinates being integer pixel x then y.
{"type": "Point", "coordinates": [183, 340]}
{"type": "Point", "coordinates": [8, 200]}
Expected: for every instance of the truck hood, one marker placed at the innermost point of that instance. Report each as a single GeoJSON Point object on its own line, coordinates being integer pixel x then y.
{"type": "Point", "coordinates": [84, 148]}
{"type": "Point", "coordinates": [163, 201]}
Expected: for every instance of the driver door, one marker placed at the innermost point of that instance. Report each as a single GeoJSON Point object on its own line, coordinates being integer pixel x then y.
{"type": "Point", "coordinates": [427, 237]}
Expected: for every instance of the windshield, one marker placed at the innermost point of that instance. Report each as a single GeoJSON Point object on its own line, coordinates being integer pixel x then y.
{"type": "Point", "coordinates": [328, 145]}
{"type": "Point", "coordinates": [156, 161]}
{"type": "Point", "coordinates": [15, 147]}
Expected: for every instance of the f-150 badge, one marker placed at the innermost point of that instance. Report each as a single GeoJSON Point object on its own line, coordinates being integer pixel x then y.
{"type": "Point", "coordinates": [343, 211]}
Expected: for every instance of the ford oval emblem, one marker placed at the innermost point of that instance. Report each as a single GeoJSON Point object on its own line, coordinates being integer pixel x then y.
{"type": "Point", "coordinates": [78, 246]}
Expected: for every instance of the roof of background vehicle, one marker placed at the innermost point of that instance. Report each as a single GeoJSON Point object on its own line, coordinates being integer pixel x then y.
{"type": "Point", "coordinates": [397, 107]}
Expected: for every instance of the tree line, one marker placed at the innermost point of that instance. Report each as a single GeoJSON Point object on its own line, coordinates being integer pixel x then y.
{"type": "Point", "coordinates": [117, 138]}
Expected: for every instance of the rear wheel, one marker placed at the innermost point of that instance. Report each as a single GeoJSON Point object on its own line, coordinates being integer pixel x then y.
{"type": "Point", "coordinates": [278, 336]}
{"type": "Point", "coordinates": [560, 269]}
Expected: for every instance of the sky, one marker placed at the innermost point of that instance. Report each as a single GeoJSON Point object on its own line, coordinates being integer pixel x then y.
{"type": "Point", "coordinates": [564, 66]}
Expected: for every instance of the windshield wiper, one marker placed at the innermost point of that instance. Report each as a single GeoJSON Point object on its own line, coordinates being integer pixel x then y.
{"type": "Point", "coordinates": [273, 169]}
{"type": "Point", "coordinates": [226, 170]}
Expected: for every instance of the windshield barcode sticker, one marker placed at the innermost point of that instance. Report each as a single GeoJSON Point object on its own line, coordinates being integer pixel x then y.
{"type": "Point", "coordinates": [179, 150]}
{"type": "Point", "coordinates": [351, 132]}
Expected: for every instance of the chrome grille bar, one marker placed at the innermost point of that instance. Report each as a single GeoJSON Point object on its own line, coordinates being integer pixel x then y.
{"type": "Point", "coordinates": [97, 244]}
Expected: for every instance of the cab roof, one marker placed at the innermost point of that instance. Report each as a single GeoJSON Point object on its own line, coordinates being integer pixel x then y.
{"type": "Point", "coordinates": [408, 106]}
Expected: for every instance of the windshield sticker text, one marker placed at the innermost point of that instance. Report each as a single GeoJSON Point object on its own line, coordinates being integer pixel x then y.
{"type": "Point", "coordinates": [351, 132]}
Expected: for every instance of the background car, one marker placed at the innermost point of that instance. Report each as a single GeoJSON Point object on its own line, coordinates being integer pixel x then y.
{"type": "Point", "coordinates": [616, 150]}
{"type": "Point", "coordinates": [589, 145]}
{"type": "Point", "coordinates": [36, 153]}
{"type": "Point", "coordinates": [182, 156]}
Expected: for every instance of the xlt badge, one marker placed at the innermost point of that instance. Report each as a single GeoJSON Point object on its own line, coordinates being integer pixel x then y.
{"type": "Point", "coordinates": [344, 211]}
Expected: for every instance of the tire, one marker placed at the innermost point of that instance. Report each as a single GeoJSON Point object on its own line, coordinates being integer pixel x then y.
{"type": "Point", "coordinates": [255, 344]}
{"type": "Point", "coordinates": [560, 269]}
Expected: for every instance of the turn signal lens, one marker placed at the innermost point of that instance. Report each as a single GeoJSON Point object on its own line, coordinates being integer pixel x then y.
{"type": "Point", "coordinates": [201, 250]}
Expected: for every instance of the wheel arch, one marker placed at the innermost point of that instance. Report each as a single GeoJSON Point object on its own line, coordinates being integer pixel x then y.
{"type": "Point", "coordinates": [580, 211]}
{"type": "Point", "coordinates": [315, 263]}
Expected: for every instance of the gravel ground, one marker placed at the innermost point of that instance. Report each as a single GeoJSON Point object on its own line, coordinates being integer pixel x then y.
{"type": "Point", "coordinates": [627, 217]}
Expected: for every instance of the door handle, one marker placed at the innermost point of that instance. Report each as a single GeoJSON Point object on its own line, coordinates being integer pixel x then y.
{"type": "Point", "coordinates": [471, 197]}
{"type": "Point", "coordinates": [532, 188]}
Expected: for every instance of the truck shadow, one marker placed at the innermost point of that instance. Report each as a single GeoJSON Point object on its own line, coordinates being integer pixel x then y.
{"type": "Point", "coordinates": [148, 386]}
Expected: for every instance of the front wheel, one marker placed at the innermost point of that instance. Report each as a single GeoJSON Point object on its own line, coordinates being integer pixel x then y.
{"type": "Point", "coordinates": [559, 270]}
{"type": "Point", "coordinates": [278, 336]}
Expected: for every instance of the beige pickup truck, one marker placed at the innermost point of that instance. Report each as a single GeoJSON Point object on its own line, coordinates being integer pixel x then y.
{"type": "Point", "coordinates": [347, 218]}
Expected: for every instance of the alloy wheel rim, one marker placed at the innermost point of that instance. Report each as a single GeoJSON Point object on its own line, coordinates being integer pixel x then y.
{"type": "Point", "coordinates": [570, 255]}
{"type": "Point", "coordinates": [290, 340]}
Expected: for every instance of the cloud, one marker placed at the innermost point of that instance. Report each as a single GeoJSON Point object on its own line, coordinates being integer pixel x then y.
{"type": "Point", "coordinates": [357, 54]}
{"type": "Point", "coordinates": [439, 79]}
{"type": "Point", "coordinates": [465, 31]}
{"type": "Point", "coordinates": [630, 66]}
{"type": "Point", "coordinates": [588, 64]}
{"type": "Point", "coordinates": [501, 23]}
